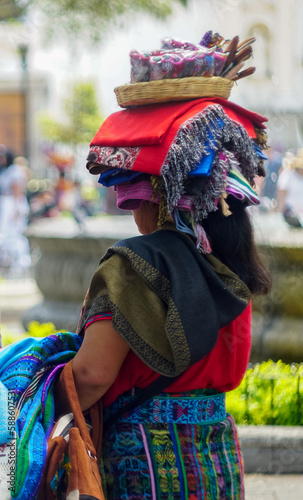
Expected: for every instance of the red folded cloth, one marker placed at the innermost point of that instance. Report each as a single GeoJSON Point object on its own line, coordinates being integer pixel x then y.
{"type": "Point", "coordinates": [147, 125]}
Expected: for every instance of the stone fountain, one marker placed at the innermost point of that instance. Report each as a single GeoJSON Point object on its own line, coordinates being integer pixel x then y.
{"type": "Point", "coordinates": [278, 317]}
{"type": "Point", "coordinates": [67, 259]}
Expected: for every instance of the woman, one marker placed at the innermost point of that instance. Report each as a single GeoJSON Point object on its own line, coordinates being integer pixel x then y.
{"type": "Point", "coordinates": [175, 301]}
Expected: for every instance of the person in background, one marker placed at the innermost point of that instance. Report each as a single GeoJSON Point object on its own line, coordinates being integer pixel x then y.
{"type": "Point", "coordinates": [22, 162]}
{"type": "Point", "coordinates": [290, 189]}
{"type": "Point", "coordinates": [14, 211]}
{"type": "Point", "coordinates": [268, 189]}
{"type": "Point", "coordinates": [64, 191]}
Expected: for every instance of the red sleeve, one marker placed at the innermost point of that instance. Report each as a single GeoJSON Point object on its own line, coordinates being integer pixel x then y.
{"type": "Point", "coordinates": [222, 369]}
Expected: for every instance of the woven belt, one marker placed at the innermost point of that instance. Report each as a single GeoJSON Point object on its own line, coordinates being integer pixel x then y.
{"type": "Point", "coordinates": [180, 410]}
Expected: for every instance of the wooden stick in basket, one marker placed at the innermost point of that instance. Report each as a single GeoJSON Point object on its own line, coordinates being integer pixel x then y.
{"type": "Point", "coordinates": [243, 55]}
{"type": "Point", "coordinates": [246, 43]}
{"type": "Point", "coordinates": [232, 48]}
{"type": "Point", "coordinates": [233, 72]}
{"type": "Point", "coordinates": [247, 72]}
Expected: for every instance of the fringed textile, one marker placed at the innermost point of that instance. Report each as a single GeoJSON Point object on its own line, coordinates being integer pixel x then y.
{"type": "Point", "coordinates": [192, 133]}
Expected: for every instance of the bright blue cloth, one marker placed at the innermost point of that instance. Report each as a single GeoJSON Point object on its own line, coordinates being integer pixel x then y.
{"type": "Point", "coordinates": [204, 166]}
{"type": "Point", "coordinates": [12, 353]}
{"type": "Point", "coordinates": [114, 176]}
{"type": "Point", "coordinates": [259, 152]}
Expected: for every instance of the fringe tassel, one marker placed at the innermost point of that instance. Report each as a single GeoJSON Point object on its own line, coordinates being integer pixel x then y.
{"type": "Point", "coordinates": [158, 189]}
{"type": "Point", "coordinates": [222, 135]}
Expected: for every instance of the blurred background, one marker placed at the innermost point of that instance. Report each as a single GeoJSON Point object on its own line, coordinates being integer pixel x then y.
{"type": "Point", "coordinates": [53, 54]}
{"type": "Point", "coordinates": [59, 64]}
{"type": "Point", "coordinates": [60, 61]}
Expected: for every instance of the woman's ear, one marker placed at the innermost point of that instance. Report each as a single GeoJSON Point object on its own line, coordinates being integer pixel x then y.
{"type": "Point", "coordinates": [146, 217]}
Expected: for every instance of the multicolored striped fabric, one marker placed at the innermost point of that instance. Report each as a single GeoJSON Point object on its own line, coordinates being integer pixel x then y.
{"type": "Point", "coordinates": [98, 317]}
{"type": "Point", "coordinates": [168, 461]}
{"type": "Point", "coordinates": [238, 186]}
{"type": "Point", "coordinates": [183, 409]}
{"type": "Point", "coordinates": [28, 369]}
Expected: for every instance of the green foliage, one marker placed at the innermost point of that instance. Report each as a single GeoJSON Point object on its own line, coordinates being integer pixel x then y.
{"type": "Point", "coordinates": [83, 117]}
{"type": "Point", "coordinates": [50, 128]}
{"type": "Point", "coordinates": [92, 18]}
{"type": "Point", "coordinates": [35, 329]}
{"type": "Point", "coordinates": [270, 394]}
{"type": "Point", "coordinates": [12, 9]}
{"type": "Point", "coordinates": [8, 337]}
{"type": "Point", "coordinates": [88, 18]}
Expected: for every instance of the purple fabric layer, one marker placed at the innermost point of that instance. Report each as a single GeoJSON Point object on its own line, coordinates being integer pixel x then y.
{"type": "Point", "coordinates": [130, 196]}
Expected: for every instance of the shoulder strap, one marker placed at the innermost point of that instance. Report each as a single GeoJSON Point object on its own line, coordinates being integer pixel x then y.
{"type": "Point", "coordinates": [152, 390]}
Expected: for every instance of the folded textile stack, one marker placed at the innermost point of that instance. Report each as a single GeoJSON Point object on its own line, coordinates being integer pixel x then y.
{"type": "Point", "coordinates": [193, 146]}
{"type": "Point", "coordinates": [198, 151]}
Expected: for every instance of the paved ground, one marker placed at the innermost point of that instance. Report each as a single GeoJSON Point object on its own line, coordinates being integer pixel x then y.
{"type": "Point", "coordinates": [283, 487]}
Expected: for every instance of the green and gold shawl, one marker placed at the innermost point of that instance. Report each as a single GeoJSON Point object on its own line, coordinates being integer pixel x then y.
{"type": "Point", "coordinates": [168, 301]}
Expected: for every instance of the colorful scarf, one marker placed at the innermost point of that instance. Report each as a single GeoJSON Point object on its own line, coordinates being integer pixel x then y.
{"type": "Point", "coordinates": [238, 187]}
{"type": "Point", "coordinates": [28, 369]}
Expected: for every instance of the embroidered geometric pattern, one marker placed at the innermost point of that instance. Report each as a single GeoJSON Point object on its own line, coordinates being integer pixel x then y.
{"type": "Point", "coordinates": [137, 344]}
{"type": "Point", "coordinates": [178, 410]}
{"type": "Point", "coordinates": [114, 157]}
{"type": "Point", "coordinates": [237, 287]}
{"type": "Point", "coordinates": [160, 284]}
{"type": "Point", "coordinates": [155, 461]}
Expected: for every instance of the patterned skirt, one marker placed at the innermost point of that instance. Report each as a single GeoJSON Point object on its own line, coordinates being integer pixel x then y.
{"type": "Point", "coordinates": [154, 460]}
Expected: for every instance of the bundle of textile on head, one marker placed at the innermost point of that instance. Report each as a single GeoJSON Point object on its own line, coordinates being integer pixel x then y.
{"type": "Point", "coordinates": [187, 156]}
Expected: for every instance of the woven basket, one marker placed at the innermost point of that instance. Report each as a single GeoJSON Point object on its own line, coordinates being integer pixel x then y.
{"type": "Point", "coordinates": [179, 89]}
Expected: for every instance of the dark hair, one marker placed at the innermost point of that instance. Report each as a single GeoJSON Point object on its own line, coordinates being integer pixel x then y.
{"type": "Point", "coordinates": [232, 241]}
